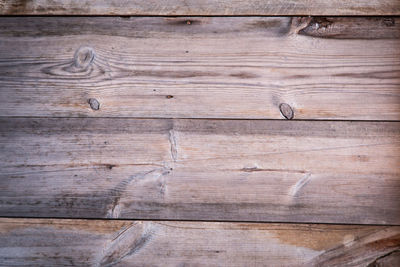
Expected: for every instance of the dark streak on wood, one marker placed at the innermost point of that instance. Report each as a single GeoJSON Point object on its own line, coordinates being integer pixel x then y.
{"type": "Point", "coordinates": [255, 169]}
{"type": "Point", "coordinates": [143, 27]}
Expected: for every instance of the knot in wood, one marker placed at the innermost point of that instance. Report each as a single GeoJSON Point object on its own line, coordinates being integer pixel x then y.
{"type": "Point", "coordinates": [94, 104]}
{"type": "Point", "coordinates": [321, 23]}
{"type": "Point", "coordinates": [389, 22]}
{"type": "Point", "coordinates": [286, 111]}
{"type": "Point", "coordinates": [83, 57]}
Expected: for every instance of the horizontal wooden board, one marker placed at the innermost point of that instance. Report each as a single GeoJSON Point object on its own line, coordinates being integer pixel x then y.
{"type": "Point", "coordinates": [199, 7]}
{"type": "Point", "coordinates": [341, 68]}
{"type": "Point", "coordinates": [40, 242]}
{"type": "Point", "coordinates": [239, 170]}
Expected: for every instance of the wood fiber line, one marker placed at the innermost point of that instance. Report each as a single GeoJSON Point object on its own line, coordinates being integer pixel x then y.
{"type": "Point", "coordinates": [49, 242]}
{"type": "Point", "coordinates": [236, 170]}
{"type": "Point", "coordinates": [337, 68]}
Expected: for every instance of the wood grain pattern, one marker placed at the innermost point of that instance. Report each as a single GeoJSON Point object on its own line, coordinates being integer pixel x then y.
{"type": "Point", "coordinates": [199, 7]}
{"type": "Point", "coordinates": [34, 242]}
{"type": "Point", "coordinates": [240, 170]}
{"type": "Point", "coordinates": [201, 67]}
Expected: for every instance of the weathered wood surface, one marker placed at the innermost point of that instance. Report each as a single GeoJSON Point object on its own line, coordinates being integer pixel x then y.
{"type": "Point", "coordinates": [201, 67]}
{"type": "Point", "coordinates": [40, 242]}
{"type": "Point", "coordinates": [199, 7]}
{"type": "Point", "coordinates": [240, 170]}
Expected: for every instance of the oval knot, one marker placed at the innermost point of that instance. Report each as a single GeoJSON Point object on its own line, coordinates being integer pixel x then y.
{"type": "Point", "coordinates": [286, 111]}
{"type": "Point", "coordinates": [83, 57]}
{"type": "Point", "coordinates": [94, 104]}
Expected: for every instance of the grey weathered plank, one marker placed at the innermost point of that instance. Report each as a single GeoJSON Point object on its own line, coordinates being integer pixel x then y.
{"type": "Point", "coordinates": [199, 7]}
{"type": "Point", "coordinates": [41, 242]}
{"type": "Point", "coordinates": [251, 170]}
{"type": "Point", "coordinates": [201, 67]}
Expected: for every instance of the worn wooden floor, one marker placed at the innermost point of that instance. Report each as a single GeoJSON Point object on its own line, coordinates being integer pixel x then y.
{"type": "Point", "coordinates": [200, 133]}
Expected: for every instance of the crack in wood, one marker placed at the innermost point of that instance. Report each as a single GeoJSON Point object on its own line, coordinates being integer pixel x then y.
{"type": "Point", "coordinates": [256, 169]}
{"type": "Point", "coordinates": [286, 152]}
{"type": "Point", "coordinates": [73, 167]}
{"type": "Point", "coordinates": [375, 263]}
{"type": "Point", "coordinates": [298, 24]}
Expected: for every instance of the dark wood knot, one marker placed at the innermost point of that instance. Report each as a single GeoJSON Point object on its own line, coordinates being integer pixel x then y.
{"type": "Point", "coordinates": [94, 104]}
{"type": "Point", "coordinates": [286, 111]}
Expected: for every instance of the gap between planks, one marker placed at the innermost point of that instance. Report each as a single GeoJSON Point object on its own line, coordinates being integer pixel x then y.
{"type": "Point", "coordinates": [196, 220]}
{"type": "Point", "coordinates": [185, 118]}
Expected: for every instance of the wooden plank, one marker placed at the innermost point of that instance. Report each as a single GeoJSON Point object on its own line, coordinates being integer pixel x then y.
{"type": "Point", "coordinates": [238, 170]}
{"type": "Point", "coordinates": [201, 67]}
{"type": "Point", "coordinates": [200, 7]}
{"type": "Point", "coordinates": [34, 242]}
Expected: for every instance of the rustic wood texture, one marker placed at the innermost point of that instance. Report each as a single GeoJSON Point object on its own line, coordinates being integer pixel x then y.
{"type": "Point", "coordinates": [201, 67]}
{"type": "Point", "coordinates": [240, 170]}
{"type": "Point", "coordinates": [199, 7]}
{"type": "Point", "coordinates": [39, 242]}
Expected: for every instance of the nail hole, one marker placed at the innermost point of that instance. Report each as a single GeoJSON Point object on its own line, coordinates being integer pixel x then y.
{"type": "Point", "coordinates": [286, 111]}
{"type": "Point", "coordinates": [110, 166]}
{"type": "Point", "coordinates": [169, 96]}
{"type": "Point", "coordinates": [94, 104]}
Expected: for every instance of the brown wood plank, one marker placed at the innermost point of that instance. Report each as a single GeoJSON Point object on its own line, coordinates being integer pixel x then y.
{"type": "Point", "coordinates": [199, 7]}
{"type": "Point", "coordinates": [40, 242]}
{"type": "Point", "coordinates": [201, 67]}
{"type": "Point", "coordinates": [240, 170]}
